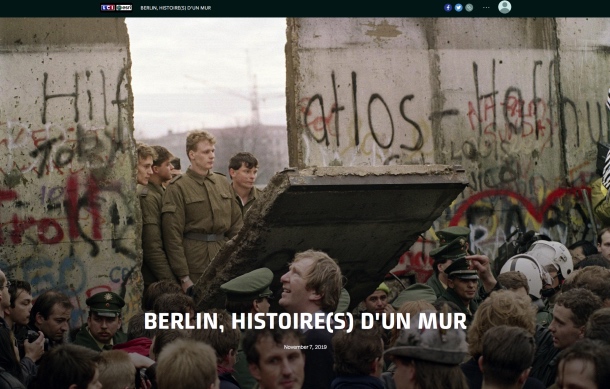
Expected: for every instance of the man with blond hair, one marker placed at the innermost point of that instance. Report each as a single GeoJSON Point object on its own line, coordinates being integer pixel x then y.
{"type": "Point", "coordinates": [117, 371]}
{"type": "Point", "coordinates": [313, 285]}
{"type": "Point", "coordinates": [145, 161]}
{"type": "Point", "coordinates": [199, 213]}
{"type": "Point", "coordinates": [501, 307]}
{"type": "Point", "coordinates": [187, 364]}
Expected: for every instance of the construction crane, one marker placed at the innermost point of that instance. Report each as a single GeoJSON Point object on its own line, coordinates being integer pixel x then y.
{"type": "Point", "coordinates": [253, 97]}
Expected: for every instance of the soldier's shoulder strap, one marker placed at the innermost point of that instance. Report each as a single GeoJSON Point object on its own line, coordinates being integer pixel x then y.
{"type": "Point", "coordinates": [142, 190]}
{"type": "Point", "coordinates": [176, 178]}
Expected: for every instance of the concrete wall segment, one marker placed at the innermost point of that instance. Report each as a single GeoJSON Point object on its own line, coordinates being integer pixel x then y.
{"type": "Point", "coordinates": [67, 192]}
{"type": "Point", "coordinates": [16, 33]}
{"type": "Point", "coordinates": [518, 102]}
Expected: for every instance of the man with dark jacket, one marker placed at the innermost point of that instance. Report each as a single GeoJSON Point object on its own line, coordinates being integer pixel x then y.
{"type": "Point", "coordinates": [275, 356]}
{"type": "Point", "coordinates": [312, 285]}
{"type": "Point", "coordinates": [247, 294]}
{"type": "Point", "coordinates": [51, 314]}
{"type": "Point", "coordinates": [463, 281]}
{"type": "Point", "coordinates": [103, 328]}
{"type": "Point", "coordinates": [358, 358]}
{"type": "Point", "coordinates": [455, 235]}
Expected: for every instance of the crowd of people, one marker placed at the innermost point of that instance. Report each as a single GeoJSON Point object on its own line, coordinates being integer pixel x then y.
{"type": "Point", "coordinates": [542, 321]}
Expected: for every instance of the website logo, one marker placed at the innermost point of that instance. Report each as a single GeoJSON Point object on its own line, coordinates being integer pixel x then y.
{"type": "Point", "coordinates": [124, 7]}
{"type": "Point", "coordinates": [107, 7]}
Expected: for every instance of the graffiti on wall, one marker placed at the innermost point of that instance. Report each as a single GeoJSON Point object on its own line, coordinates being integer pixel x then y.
{"type": "Point", "coordinates": [367, 124]}
{"type": "Point", "coordinates": [68, 219]}
{"type": "Point", "coordinates": [510, 137]}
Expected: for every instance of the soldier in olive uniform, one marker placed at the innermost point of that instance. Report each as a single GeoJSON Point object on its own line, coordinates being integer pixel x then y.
{"type": "Point", "coordinates": [463, 280]}
{"type": "Point", "coordinates": [248, 293]}
{"type": "Point", "coordinates": [243, 169]}
{"type": "Point", "coordinates": [462, 287]}
{"type": "Point", "coordinates": [155, 265]}
{"type": "Point", "coordinates": [199, 212]}
{"type": "Point", "coordinates": [438, 280]}
{"type": "Point", "coordinates": [103, 328]}
{"type": "Point", "coordinates": [146, 154]}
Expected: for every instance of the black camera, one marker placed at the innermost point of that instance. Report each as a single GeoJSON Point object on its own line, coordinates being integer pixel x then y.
{"type": "Point", "coordinates": [31, 337]}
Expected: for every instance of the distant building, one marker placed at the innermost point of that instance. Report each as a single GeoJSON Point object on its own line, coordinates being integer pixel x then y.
{"type": "Point", "coordinates": [269, 144]}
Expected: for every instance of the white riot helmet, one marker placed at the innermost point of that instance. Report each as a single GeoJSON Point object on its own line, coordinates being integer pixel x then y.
{"type": "Point", "coordinates": [536, 276]}
{"type": "Point", "coordinates": [552, 253]}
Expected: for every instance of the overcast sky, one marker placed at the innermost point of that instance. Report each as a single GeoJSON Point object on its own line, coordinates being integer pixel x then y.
{"type": "Point", "coordinates": [194, 73]}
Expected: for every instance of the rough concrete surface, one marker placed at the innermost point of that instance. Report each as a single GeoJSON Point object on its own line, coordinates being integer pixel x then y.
{"type": "Point", "coordinates": [364, 217]}
{"type": "Point", "coordinates": [69, 217]}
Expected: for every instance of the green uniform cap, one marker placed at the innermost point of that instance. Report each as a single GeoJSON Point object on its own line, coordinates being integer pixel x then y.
{"type": "Point", "coordinates": [454, 250]}
{"type": "Point", "coordinates": [249, 286]}
{"type": "Point", "coordinates": [460, 268]}
{"type": "Point", "coordinates": [415, 292]}
{"type": "Point", "coordinates": [106, 304]}
{"type": "Point", "coordinates": [344, 301]}
{"type": "Point", "coordinates": [449, 234]}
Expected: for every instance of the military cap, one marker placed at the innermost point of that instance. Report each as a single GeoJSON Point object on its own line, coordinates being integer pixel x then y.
{"type": "Point", "coordinates": [249, 286]}
{"type": "Point", "coordinates": [415, 292]}
{"type": "Point", "coordinates": [449, 234]}
{"type": "Point", "coordinates": [108, 304]}
{"type": "Point", "coordinates": [453, 250]}
{"type": "Point", "coordinates": [444, 346]}
{"type": "Point", "coordinates": [344, 301]}
{"type": "Point", "coordinates": [460, 268]}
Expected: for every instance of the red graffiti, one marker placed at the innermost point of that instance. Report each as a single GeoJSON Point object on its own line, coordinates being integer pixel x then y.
{"type": "Point", "coordinates": [416, 261]}
{"type": "Point", "coordinates": [49, 230]}
{"type": "Point", "coordinates": [97, 289]}
{"type": "Point", "coordinates": [536, 212]}
{"type": "Point", "coordinates": [72, 204]}
{"type": "Point", "coordinates": [529, 116]}
{"type": "Point", "coordinates": [7, 195]}
{"type": "Point", "coordinates": [317, 123]}
{"type": "Point", "coordinates": [44, 226]}
{"type": "Point", "coordinates": [73, 207]}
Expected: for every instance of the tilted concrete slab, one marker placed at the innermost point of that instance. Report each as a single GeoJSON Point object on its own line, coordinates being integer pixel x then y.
{"type": "Point", "coordinates": [364, 217]}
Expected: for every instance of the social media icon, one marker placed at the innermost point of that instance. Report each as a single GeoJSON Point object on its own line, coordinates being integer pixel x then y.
{"type": "Point", "coordinates": [448, 7]}
{"type": "Point", "coordinates": [468, 7]}
{"type": "Point", "coordinates": [458, 7]}
{"type": "Point", "coordinates": [504, 6]}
